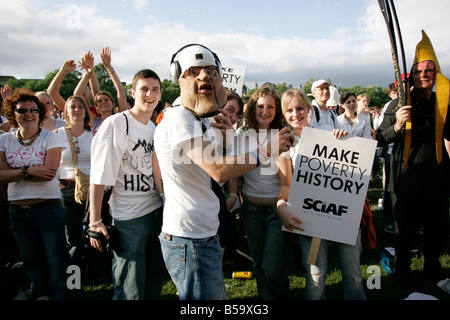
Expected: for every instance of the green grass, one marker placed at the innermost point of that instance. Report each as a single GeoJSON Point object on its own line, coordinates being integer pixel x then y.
{"type": "Point", "coordinates": [246, 289]}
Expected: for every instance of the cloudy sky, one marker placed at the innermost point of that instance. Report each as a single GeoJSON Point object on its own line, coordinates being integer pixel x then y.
{"type": "Point", "coordinates": [288, 41]}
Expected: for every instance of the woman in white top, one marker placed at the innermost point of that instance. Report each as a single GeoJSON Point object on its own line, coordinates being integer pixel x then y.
{"type": "Point", "coordinates": [261, 189]}
{"type": "Point", "coordinates": [29, 159]}
{"type": "Point", "coordinates": [357, 125]}
{"type": "Point", "coordinates": [77, 118]}
{"type": "Point", "coordinates": [295, 106]}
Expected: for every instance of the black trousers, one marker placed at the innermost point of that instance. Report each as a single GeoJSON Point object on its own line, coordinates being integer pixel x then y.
{"type": "Point", "coordinates": [411, 213]}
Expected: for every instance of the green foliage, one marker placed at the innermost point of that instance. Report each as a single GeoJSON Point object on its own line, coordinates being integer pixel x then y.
{"type": "Point", "coordinates": [170, 91]}
{"type": "Point", "coordinates": [378, 96]}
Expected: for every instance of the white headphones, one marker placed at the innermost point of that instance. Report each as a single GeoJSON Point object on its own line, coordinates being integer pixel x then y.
{"type": "Point", "coordinates": [175, 67]}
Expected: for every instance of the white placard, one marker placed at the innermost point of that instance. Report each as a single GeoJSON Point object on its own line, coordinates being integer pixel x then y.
{"type": "Point", "coordinates": [233, 77]}
{"type": "Point", "coordinates": [329, 184]}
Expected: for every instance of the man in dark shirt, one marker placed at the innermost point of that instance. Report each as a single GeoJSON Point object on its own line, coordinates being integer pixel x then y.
{"type": "Point", "coordinates": [420, 165]}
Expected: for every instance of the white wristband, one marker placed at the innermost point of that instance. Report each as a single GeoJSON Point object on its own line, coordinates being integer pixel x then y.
{"type": "Point", "coordinates": [281, 202]}
{"type": "Point", "coordinates": [95, 223]}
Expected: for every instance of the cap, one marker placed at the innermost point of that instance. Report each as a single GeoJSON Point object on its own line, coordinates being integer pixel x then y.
{"type": "Point", "coordinates": [335, 97]}
{"type": "Point", "coordinates": [196, 56]}
{"type": "Point", "coordinates": [318, 83]}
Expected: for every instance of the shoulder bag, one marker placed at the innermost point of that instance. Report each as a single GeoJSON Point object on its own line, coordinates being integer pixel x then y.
{"type": "Point", "coordinates": [81, 179]}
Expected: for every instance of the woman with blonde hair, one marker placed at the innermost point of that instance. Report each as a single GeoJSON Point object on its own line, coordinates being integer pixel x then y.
{"type": "Point", "coordinates": [77, 131]}
{"type": "Point", "coordinates": [295, 106]}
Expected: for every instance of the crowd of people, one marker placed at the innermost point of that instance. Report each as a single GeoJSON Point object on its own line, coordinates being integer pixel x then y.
{"type": "Point", "coordinates": [161, 186]}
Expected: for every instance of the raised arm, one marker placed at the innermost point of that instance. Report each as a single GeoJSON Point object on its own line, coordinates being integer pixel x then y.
{"type": "Point", "coordinates": [55, 85]}
{"type": "Point", "coordinates": [121, 96]}
{"type": "Point", "coordinates": [87, 63]}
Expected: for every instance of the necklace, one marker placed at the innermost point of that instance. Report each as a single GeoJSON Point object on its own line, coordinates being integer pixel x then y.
{"type": "Point", "coordinates": [350, 120]}
{"type": "Point", "coordinates": [262, 143]}
{"type": "Point", "coordinates": [33, 138]}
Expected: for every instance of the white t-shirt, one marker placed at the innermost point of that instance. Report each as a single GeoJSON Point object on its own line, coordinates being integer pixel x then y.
{"type": "Point", "coordinates": [191, 207]}
{"type": "Point", "coordinates": [66, 168]}
{"type": "Point", "coordinates": [263, 181]}
{"type": "Point", "coordinates": [325, 122]}
{"type": "Point", "coordinates": [125, 162]}
{"type": "Point", "coordinates": [18, 155]}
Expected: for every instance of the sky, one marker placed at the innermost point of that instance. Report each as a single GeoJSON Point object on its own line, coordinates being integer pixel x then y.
{"type": "Point", "coordinates": [283, 41]}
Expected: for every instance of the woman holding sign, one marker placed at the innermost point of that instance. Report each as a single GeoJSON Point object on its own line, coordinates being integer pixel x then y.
{"type": "Point", "coordinates": [261, 189]}
{"type": "Point", "coordinates": [296, 105]}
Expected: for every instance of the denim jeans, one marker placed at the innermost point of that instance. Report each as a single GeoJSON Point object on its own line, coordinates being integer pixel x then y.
{"type": "Point", "coordinates": [74, 226]}
{"type": "Point", "coordinates": [348, 258]}
{"type": "Point", "coordinates": [138, 267]}
{"type": "Point", "coordinates": [42, 243]}
{"type": "Point", "coordinates": [195, 266]}
{"type": "Point", "coordinates": [268, 247]}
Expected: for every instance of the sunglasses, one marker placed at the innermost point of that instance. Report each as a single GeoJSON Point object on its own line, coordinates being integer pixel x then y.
{"type": "Point", "coordinates": [194, 71]}
{"type": "Point", "coordinates": [23, 111]}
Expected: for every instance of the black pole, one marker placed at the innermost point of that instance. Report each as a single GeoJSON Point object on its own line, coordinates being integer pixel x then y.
{"type": "Point", "coordinates": [385, 6]}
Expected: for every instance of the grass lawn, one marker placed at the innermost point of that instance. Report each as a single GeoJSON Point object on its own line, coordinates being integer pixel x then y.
{"type": "Point", "coordinates": [246, 289]}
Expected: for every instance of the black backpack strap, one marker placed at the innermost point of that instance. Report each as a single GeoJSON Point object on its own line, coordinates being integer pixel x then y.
{"type": "Point", "coordinates": [126, 119]}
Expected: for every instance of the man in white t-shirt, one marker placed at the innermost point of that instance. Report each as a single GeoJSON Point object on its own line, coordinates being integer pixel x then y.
{"type": "Point", "coordinates": [320, 115]}
{"type": "Point", "coordinates": [122, 156]}
{"type": "Point", "coordinates": [191, 154]}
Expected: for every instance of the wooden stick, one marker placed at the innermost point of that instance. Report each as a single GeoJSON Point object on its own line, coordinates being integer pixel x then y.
{"type": "Point", "coordinates": [313, 251]}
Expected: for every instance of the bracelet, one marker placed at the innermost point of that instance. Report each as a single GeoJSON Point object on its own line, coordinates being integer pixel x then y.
{"type": "Point", "coordinates": [256, 157]}
{"type": "Point", "coordinates": [95, 223]}
{"type": "Point", "coordinates": [24, 173]}
{"type": "Point", "coordinates": [110, 70]}
{"type": "Point", "coordinates": [234, 195]}
{"type": "Point", "coordinates": [281, 202]}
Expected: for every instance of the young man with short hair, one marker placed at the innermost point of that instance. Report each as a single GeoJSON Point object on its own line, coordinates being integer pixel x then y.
{"type": "Point", "coordinates": [122, 156]}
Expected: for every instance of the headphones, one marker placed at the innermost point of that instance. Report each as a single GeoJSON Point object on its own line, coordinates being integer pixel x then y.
{"type": "Point", "coordinates": [175, 67]}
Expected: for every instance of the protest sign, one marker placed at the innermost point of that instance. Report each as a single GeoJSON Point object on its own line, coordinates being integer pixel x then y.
{"type": "Point", "coordinates": [329, 184]}
{"type": "Point", "coordinates": [233, 77]}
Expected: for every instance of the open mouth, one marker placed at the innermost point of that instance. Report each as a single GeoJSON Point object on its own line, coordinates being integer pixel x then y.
{"type": "Point", "coordinates": [206, 89]}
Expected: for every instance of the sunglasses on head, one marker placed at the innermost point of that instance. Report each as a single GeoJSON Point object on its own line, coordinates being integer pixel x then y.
{"type": "Point", "coordinates": [24, 110]}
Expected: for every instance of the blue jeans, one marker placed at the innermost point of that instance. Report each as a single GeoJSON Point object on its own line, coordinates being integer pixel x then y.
{"type": "Point", "coordinates": [74, 226]}
{"type": "Point", "coordinates": [42, 243]}
{"type": "Point", "coordinates": [195, 266]}
{"type": "Point", "coordinates": [138, 267]}
{"type": "Point", "coordinates": [348, 258]}
{"type": "Point", "coordinates": [268, 247]}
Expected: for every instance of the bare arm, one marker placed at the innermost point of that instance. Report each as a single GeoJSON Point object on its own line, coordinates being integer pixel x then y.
{"type": "Point", "coordinates": [55, 85]}
{"type": "Point", "coordinates": [47, 172]}
{"type": "Point", "coordinates": [288, 219]}
{"type": "Point", "coordinates": [233, 192]}
{"type": "Point", "coordinates": [121, 96]}
{"type": "Point", "coordinates": [157, 173]}
{"type": "Point", "coordinates": [96, 193]}
{"type": "Point", "coordinates": [87, 63]}
{"type": "Point", "coordinates": [222, 169]}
